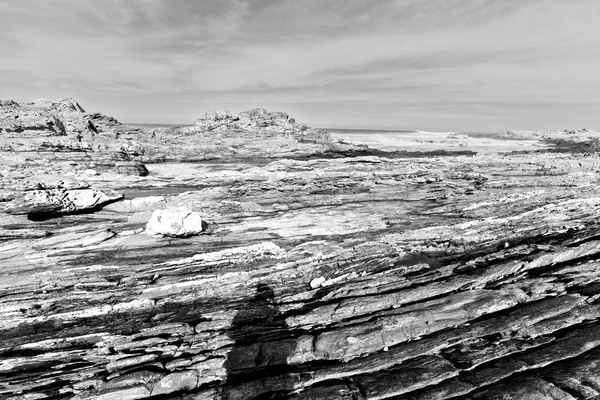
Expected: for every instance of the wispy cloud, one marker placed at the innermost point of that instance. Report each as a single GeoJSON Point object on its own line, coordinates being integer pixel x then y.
{"type": "Point", "coordinates": [454, 64]}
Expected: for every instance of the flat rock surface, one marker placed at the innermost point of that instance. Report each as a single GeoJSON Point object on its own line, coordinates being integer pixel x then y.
{"type": "Point", "coordinates": [327, 272]}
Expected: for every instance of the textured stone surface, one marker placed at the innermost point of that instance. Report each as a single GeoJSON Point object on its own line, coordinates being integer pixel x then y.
{"type": "Point", "coordinates": [329, 274]}
{"type": "Point", "coordinates": [57, 201]}
{"type": "Point", "coordinates": [175, 223]}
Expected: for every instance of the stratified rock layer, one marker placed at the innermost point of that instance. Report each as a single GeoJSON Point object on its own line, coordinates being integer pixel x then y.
{"type": "Point", "coordinates": [371, 277]}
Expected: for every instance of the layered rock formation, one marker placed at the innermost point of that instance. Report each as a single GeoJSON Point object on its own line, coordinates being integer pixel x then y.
{"type": "Point", "coordinates": [369, 277]}
{"type": "Point", "coordinates": [252, 120]}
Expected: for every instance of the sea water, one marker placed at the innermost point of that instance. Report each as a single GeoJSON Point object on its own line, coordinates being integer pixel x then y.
{"type": "Point", "coordinates": [398, 140]}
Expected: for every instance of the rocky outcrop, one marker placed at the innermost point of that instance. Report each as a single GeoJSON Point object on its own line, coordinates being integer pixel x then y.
{"type": "Point", "coordinates": [22, 121]}
{"type": "Point", "coordinates": [252, 120]}
{"type": "Point", "coordinates": [44, 117]}
{"type": "Point", "coordinates": [349, 277]}
{"type": "Point", "coordinates": [58, 201]}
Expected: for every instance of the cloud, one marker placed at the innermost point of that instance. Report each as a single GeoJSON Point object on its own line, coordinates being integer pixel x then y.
{"type": "Point", "coordinates": [420, 62]}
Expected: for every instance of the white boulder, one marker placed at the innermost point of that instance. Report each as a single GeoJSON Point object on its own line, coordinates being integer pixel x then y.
{"type": "Point", "coordinates": [176, 222]}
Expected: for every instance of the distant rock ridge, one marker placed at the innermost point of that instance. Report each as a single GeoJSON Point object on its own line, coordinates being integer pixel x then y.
{"type": "Point", "coordinates": [51, 117]}
{"type": "Point", "coordinates": [257, 118]}
{"type": "Point", "coordinates": [60, 105]}
{"type": "Point", "coordinates": [574, 135]}
{"type": "Point", "coordinates": [60, 125]}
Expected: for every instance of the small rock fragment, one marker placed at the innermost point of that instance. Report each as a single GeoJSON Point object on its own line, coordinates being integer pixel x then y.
{"type": "Point", "coordinates": [317, 282]}
{"type": "Point", "coordinates": [177, 381]}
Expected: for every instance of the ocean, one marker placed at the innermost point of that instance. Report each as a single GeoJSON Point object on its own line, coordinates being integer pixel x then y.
{"type": "Point", "coordinates": [394, 140]}
{"type": "Point", "coordinates": [398, 140]}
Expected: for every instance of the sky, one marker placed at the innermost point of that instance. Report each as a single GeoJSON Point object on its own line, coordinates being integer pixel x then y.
{"type": "Point", "coordinates": [444, 65]}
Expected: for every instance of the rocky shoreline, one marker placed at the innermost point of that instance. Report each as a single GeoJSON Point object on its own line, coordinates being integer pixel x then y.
{"type": "Point", "coordinates": [308, 268]}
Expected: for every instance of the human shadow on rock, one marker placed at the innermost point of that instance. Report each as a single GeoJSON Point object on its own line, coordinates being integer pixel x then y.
{"type": "Point", "coordinates": [256, 366]}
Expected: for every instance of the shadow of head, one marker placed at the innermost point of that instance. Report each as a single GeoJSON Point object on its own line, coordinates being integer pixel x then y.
{"type": "Point", "coordinates": [264, 292]}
